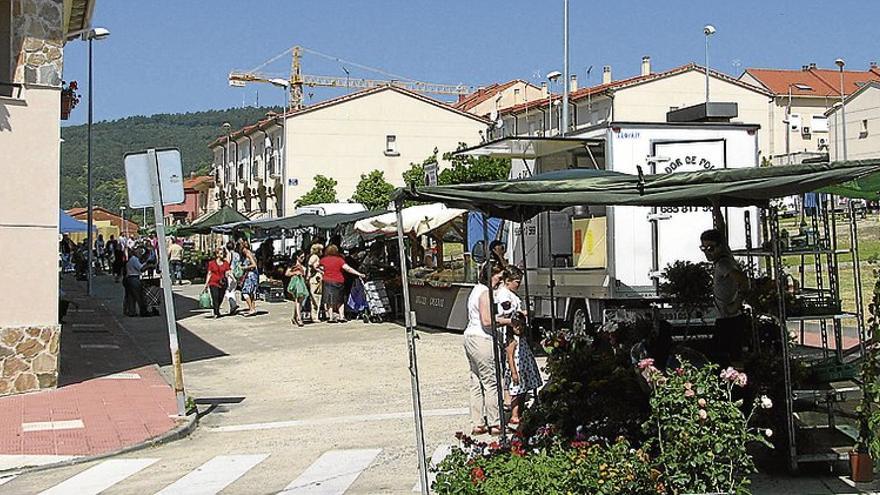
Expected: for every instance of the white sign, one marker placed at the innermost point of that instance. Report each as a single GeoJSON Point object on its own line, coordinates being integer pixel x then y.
{"type": "Point", "coordinates": [137, 177]}
{"type": "Point", "coordinates": [431, 173]}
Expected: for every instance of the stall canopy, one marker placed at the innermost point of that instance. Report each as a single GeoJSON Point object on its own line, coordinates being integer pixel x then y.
{"type": "Point", "coordinates": [67, 224]}
{"type": "Point", "coordinates": [206, 223]}
{"type": "Point", "coordinates": [302, 221]}
{"type": "Point", "coordinates": [417, 220]}
{"type": "Point", "coordinates": [524, 198]}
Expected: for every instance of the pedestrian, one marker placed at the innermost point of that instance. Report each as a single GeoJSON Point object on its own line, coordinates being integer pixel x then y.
{"type": "Point", "coordinates": [729, 285]}
{"type": "Point", "coordinates": [316, 281]}
{"type": "Point", "coordinates": [251, 278]}
{"type": "Point", "coordinates": [334, 268]}
{"type": "Point", "coordinates": [119, 250]}
{"type": "Point", "coordinates": [232, 276]}
{"type": "Point", "coordinates": [134, 303]}
{"type": "Point", "coordinates": [508, 304]}
{"type": "Point", "coordinates": [66, 253]}
{"type": "Point", "coordinates": [478, 347]}
{"type": "Point", "coordinates": [297, 287]}
{"type": "Point", "coordinates": [215, 281]}
{"type": "Point", "coordinates": [175, 259]}
{"type": "Point", "coordinates": [522, 373]}
{"type": "Point", "coordinates": [99, 252]}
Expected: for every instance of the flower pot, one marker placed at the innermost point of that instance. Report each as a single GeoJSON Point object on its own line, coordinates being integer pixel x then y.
{"type": "Point", "coordinates": [66, 106]}
{"type": "Point", "coordinates": [862, 467]}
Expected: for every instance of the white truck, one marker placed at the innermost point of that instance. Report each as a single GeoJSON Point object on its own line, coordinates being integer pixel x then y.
{"type": "Point", "coordinates": [606, 258]}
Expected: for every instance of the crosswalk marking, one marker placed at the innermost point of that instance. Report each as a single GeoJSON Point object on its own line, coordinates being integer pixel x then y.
{"type": "Point", "coordinates": [214, 475]}
{"type": "Point", "coordinates": [100, 477]}
{"type": "Point", "coordinates": [437, 457]}
{"type": "Point", "coordinates": [332, 473]}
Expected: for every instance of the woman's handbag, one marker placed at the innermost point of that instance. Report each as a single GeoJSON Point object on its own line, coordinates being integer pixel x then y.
{"type": "Point", "coordinates": [205, 300]}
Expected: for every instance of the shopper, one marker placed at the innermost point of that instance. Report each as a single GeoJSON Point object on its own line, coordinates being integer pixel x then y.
{"type": "Point", "coordinates": [478, 347]}
{"type": "Point", "coordinates": [297, 287]}
{"type": "Point", "coordinates": [119, 250]}
{"type": "Point", "coordinates": [316, 281]}
{"type": "Point", "coordinates": [175, 259]}
{"type": "Point", "coordinates": [333, 297]}
{"type": "Point", "coordinates": [216, 279]}
{"type": "Point", "coordinates": [232, 276]}
{"type": "Point", "coordinates": [251, 280]}
{"type": "Point", "coordinates": [134, 303]}
{"type": "Point", "coordinates": [67, 247]}
{"type": "Point", "coordinates": [522, 374]}
{"type": "Point", "coordinates": [498, 253]}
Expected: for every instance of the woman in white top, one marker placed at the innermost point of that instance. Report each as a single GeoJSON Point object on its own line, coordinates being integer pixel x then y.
{"type": "Point", "coordinates": [481, 358]}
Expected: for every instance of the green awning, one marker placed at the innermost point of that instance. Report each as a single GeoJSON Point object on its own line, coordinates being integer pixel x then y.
{"type": "Point", "coordinates": [524, 198]}
{"type": "Point", "coordinates": [272, 226]}
{"type": "Point", "coordinates": [205, 224]}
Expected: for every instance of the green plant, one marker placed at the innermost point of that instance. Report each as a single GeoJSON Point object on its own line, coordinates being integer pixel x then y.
{"type": "Point", "coordinates": [466, 169]}
{"type": "Point", "coordinates": [373, 191]}
{"type": "Point", "coordinates": [868, 410]}
{"type": "Point", "coordinates": [688, 286]}
{"type": "Point", "coordinates": [324, 191]}
{"type": "Point", "coordinates": [698, 432]}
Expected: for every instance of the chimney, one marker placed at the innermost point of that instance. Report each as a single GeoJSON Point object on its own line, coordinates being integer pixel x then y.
{"type": "Point", "coordinates": [805, 67]}
{"type": "Point", "coordinates": [646, 65]}
{"type": "Point", "coordinates": [573, 85]}
{"type": "Point", "coordinates": [544, 91]}
{"type": "Point", "coordinates": [872, 65]}
{"type": "Point", "coordinates": [812, 65]}
{"type": "Point", "coordinates": [606, 74]}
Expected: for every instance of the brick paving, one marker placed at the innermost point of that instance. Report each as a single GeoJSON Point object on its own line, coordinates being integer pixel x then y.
{"type": "Point", "coordinates": [98, 387]}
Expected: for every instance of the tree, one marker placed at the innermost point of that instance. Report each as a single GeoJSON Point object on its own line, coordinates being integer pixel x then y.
{"type": "Point", "coordinates": [324, 191]}
{"type": "Point", "coordinates": [373, 191]}
{"type": "Point", "coordinates": [469, 169]}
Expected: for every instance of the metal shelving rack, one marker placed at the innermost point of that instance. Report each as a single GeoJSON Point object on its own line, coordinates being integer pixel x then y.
{"type": "Point", "coordinates": [814, 431]}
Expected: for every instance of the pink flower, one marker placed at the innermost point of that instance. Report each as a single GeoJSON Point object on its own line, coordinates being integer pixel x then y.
{"type": "Point", "coordinates": [679, 371]}
{"type": "Point", "coordinates": [702, 414]}
{"type": "Point", "coordinates": [689, 393]}
{"type": "Point", "coordinates": [701, 402]}
{"type": "Point", "coordinates": [646, 363]}
{"type": "Point", "coordinates": [688, 385]}
{"type": "Point", "coordinates": [741, 380]}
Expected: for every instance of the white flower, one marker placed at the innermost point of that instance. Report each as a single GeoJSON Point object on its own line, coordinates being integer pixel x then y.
{"type": "Point", "coordinates": [768, 432]}
{"type": "Point", "coordinates": [765, 402]}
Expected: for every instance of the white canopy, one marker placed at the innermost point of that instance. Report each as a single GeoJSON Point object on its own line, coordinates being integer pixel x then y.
{"type": "Point", "coordinates": [417, 220]}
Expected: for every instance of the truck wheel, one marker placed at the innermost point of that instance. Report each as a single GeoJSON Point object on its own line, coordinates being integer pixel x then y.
{"type": "Point", "coordinates": [579, 320]}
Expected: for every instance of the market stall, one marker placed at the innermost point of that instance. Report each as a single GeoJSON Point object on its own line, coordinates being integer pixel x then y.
{"type": "Point", "coordinates": [518, 200]}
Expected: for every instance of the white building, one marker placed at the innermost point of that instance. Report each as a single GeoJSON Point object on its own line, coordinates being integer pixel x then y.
{"type": "Point", "coordinates": [384, 128]}
{"type": "Point", "coordinates": [862, 121]}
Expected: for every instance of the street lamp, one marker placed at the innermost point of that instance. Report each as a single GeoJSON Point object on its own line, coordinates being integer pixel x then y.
{"type": "Point", "coordinates": [91, 35]}
{"type": "Point", "coordinates": [708, 30]}
{"type": "Point", "coordinates": [802, 87]}
{"type": "Point", "coordinates": [552, 77]}
{"type": "Point", "coordinates": [840, 63]}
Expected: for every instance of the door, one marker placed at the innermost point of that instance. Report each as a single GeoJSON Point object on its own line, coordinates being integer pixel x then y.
{"type": "Point", "coordinates": [678, 229]}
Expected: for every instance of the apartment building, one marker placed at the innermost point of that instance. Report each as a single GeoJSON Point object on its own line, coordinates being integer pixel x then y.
{"type": "Point", "coordinates": [384, 128]}
{"type": "Point", "coordinates": [862, 109]}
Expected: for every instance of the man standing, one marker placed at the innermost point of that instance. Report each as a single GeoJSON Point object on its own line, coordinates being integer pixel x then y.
{"type": "Point", "coordinates": [729, 284]}
{"type": "Point", "coordinates": [175, 257]}
{"type": "Point", "coordinates": [134, 303]}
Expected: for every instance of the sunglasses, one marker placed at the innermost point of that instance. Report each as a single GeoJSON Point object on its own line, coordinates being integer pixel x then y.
{"type": "Point", "coordinates": [707, 249]}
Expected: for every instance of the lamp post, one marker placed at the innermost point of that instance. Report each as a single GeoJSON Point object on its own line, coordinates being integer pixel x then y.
{"type": "Point", "coordinates": [552, 77]}
{"type": "Point", "coordinates": [840, 63]}
{"type": "Point", "coordinates": [565, 80]}
{"type": "Point", "coordinates": [708, 30]}
{"type": "Point", "coordinates": [802, 87]}
{"type": "Point", "coordinates": [91, 35]}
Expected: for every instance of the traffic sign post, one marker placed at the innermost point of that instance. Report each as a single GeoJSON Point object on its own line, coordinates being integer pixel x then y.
{"type": "Point", "coordinates": [162, 171]}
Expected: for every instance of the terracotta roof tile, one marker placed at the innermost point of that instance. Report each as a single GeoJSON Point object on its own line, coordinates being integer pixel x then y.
{"type": "Point", "coordinates": [481, 95]}
{"type": "Point", "coordinates": [192, 182]}
{"type": "Point", "coordinates": [822, 82]}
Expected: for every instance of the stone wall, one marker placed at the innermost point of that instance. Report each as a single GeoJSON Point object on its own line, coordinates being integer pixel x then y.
{"type": "Point", "coordinates": [38, 41]}
{"type": "Point", "coordinates": [28, 358]}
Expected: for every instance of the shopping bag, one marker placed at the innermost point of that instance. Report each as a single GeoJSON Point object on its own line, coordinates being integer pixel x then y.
{"type": "Point", "coordinates": [205, 300]}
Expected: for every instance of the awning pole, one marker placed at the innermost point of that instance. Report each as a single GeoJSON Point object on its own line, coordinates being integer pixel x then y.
{"type": "Point", "coordinates": [409, 322]}
{"type": "Point", "coordinates": [522, 242]}
{"type": "Point", "coordinates": [497, 352]}
{"type": "Point", "coordinates": [552, 280]}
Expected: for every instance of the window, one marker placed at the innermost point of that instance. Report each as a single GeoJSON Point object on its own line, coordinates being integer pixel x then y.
{"type": "Point", "coordinates": [820, 123]}
{"type": "Point", "coordinates": [864, 129]}
{"type": "Point", "coordinates": [794, 120]}
{"type": "Point", "coordinates": [6, 58]}
{"type": "Point", "coordinates": [391, 145]}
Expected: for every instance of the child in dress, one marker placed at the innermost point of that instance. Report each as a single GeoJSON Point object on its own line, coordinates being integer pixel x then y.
{"type": "Point", "coordinates": [297, 287]}
{"type": "Point", "coordinates": [523, 375]}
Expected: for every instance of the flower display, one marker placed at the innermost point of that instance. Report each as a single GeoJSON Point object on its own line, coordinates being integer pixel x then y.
{"type": "Point", "coordinates": [765, 402]}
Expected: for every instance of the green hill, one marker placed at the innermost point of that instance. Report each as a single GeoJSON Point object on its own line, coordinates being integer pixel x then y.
{"type": "Point", "coordinates": [190, 132]}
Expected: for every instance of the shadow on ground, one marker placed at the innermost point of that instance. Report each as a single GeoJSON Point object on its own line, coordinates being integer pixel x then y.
{"type": "Point", "coordinates": [98, 340]}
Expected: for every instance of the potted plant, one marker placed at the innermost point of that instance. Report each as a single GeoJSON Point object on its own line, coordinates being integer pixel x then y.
{"type": "Point", "coordinates": [867, 447]}
{"type": "Point", "coordinates": [69, 98]}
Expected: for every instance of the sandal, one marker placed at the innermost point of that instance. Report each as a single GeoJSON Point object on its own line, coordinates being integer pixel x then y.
{"type": "Point", "coordinates": [479, 430]}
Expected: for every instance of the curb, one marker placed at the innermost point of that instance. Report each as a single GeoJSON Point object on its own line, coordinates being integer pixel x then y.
{"type": "Point", "coordinates": [177, 433]}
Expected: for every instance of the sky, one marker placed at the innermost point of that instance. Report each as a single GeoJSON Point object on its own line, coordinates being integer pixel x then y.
{"type": "Point", "coordinates": [173, 56]}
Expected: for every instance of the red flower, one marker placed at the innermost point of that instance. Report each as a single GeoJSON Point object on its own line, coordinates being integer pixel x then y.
{"type": "Point", "coordinates": [477, 475]}
{"type": "Point", "coordinates": [72, 85]}
{"type": "Point", "coordinates": [580, 444]}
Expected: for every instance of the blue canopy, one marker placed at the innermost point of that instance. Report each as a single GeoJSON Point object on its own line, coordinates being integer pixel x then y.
{"type": "Point", "coordinates": [68, 224]}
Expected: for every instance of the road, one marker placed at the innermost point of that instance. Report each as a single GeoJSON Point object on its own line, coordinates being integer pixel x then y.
{"type": "Point", "coordinates": [320, 409]}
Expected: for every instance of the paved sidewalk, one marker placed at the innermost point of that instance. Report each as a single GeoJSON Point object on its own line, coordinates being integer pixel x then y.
{"type": "Point", "coordinates": [110, 397]}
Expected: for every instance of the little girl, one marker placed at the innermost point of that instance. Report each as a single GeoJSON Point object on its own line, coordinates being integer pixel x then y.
{"type": "Point", "coordinates": [522, 369]}
{"type": "Point", "coordinates": [297, 287]}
